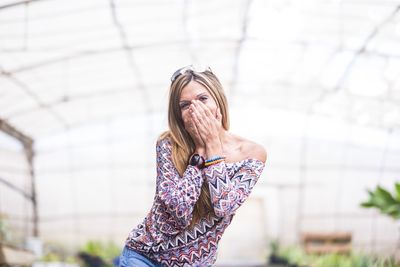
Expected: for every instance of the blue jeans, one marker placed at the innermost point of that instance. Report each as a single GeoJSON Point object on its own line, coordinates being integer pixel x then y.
{"type": "Point", "coordinates": [130, 258]}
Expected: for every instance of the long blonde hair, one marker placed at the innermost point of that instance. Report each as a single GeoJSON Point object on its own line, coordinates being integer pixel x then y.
{"type": "Point", "coordinates": [182, 143]}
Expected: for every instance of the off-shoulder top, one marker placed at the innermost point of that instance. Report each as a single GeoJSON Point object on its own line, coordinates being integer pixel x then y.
{"type": "Point", "coordinates": [164, 235]}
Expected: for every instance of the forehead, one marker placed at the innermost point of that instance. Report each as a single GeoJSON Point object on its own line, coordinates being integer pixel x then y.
{"type": "Point", "coordinates": [191, 90]}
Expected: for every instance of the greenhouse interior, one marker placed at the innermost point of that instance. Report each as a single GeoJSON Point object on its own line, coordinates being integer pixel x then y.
{"type": "Point", "coordinates": [84, 89]}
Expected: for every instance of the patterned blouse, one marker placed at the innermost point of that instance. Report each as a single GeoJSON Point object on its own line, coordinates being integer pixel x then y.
{"type": "Point", "coordinates": [164, 235]}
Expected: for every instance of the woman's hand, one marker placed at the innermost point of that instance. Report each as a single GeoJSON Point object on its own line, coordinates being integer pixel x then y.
{"type": "Point", "coordinates": [209, 127]}
{"type": "Point", "coordinates": [194, 133]}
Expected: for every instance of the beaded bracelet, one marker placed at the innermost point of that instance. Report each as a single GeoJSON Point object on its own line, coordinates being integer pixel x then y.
{"type": "Point", "coordinates": [214, 160]}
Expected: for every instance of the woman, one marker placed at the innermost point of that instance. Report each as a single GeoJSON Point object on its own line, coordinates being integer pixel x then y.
{"type": "Point", "coordinates": [204, 173]}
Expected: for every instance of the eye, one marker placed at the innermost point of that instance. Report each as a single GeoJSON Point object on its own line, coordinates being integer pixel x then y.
{"type": "Point", "coordinates": [184, 105]}
{"type": "Point", "coordinates": [203, 98]}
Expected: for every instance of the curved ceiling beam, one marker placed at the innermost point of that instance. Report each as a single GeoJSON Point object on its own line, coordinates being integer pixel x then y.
{"type": "Point", "coordinates": [19, 3]}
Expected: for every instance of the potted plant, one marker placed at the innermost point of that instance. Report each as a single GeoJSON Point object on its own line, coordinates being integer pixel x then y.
{"type": "Point", "coordinates": [387, 203]}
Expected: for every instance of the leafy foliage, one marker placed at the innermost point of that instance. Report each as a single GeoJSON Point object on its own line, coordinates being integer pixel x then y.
{"type": "Point", "coordinates": [296, 257]}
{"type": "Point", "coordinates": [106, 251]}
{"type": "Point", "coordinates": [384, 201]}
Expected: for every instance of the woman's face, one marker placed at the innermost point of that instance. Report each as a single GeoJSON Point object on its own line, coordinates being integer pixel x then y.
{"type": "Point", "coordinates": [195, 91]}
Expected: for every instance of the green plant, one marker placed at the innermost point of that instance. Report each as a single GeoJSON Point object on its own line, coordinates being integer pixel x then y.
{"type": "Point", "coordinates": [5, 230]}
{"type": "Point", "coordinates": [295, 256]}
{"type": "Point", "coordinates": [51, 257]}
{"type": "Point", "coordinates": [274, 246]}
{"type": "Point", "coordinates": [104, 250]}
{"type": "Point", "coordinates": [71, 260]}
{"type": "Point", "coordinates": [384, 201]}
{"type": "Point", "coordinates": [54, 251]}
{"type": "Point", "coordinates": [387, 262]}
{"type": "Point", "coordinates": [329, 260]}
{"type": "Point", "coordinates": [55, 256]}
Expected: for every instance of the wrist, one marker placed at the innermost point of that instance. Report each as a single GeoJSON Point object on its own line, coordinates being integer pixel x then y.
{"type": "Point", "coordinates": [213, 149]}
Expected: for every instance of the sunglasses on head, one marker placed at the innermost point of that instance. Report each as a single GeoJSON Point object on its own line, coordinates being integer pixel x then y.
{"type": "Point", "coordinates": [189, 68]}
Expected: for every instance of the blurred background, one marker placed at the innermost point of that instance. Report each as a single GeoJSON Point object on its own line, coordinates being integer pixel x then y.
{"type": "Point", "coordinates": [83, 98]}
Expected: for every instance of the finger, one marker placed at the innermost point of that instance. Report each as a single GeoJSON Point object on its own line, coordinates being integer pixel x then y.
{"type": "Point", "coordinates": [192, 111]}
{"type": "Point", "coordinates": [201, 110]}
{"type": "Point", "coordinates": [194, 133]}
{"type": "Point", "coordinates": [189, 128]}
{"type": "Point", "coordinates": [195, 117]}
{"type": "Point", "coordinates": [200, 126]}
{"type": "Point", "coordinates": [199, 116]}
{"type": "Point", "coordinates": [196, 129]}
{"type": "Point", "coordinates": [189, 121]}
{"type": "Point", "coordinates": [204, 108]}
{"type": "Point", "coordinates": [212, 118]}
{"type": "Point", "coordinates": [207, 120]}
{"type": "Point", "coordinates": [192, 130]}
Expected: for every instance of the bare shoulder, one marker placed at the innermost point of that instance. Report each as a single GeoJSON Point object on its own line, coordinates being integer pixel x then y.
{"type": "Point", "coordinates": [257, 151]}
{"type": "Point", "coordinates": [253, 149]}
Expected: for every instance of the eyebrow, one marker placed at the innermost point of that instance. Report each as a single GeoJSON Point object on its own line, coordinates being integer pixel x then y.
{"type": "Point", "coordinates": [201, 94]}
